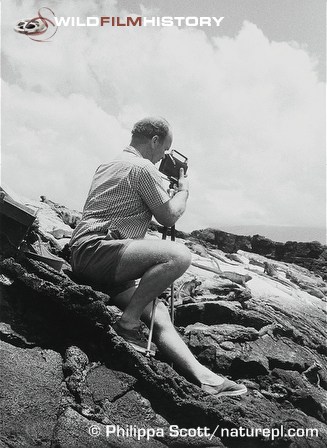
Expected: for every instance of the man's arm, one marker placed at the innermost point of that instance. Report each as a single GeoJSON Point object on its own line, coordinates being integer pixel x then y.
{"type": "Point", "coordinates": [168, 213]}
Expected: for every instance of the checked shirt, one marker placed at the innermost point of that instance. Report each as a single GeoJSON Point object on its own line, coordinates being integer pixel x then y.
{"type": "Point", "coordinates": [122, 197]}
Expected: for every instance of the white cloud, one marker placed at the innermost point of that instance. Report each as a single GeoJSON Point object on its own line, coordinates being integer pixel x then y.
{"type": "Point", "coordinates": [248, 112]}
{"type": "Point", "coordinates": [52, 146]}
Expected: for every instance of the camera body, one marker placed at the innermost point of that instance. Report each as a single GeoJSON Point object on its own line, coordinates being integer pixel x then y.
{"type": "Point", "coordinates": [170, 165]}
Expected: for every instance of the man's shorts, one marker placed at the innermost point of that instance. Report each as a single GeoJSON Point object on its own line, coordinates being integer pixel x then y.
{"type": "Point", "coordinates": [94, 262]}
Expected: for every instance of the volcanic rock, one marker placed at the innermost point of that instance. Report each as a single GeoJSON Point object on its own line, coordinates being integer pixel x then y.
{"type": "Point", "coordinates": [66, 373]}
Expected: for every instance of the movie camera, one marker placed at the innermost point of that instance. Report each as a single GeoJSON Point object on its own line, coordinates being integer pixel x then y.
{"type": "Point", "coordinates": [170, 165]}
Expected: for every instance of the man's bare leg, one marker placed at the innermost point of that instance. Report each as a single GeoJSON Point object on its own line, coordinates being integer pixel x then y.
{"type": "Point", "coordinates": [169, 341]}
{"type": "Point", "coordinates": [157, 264]}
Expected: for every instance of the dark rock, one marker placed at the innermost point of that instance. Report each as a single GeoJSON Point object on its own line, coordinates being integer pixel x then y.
{"type": "Point", "coordinates": [207, 235]}
{"type": "Point", "coordinates": [107, 382]}
{"type": "Point", "coordinates": [249, 366]}
{"type": "Point", "coordinates": [30, 384]}
{"type": "Point", "coordinates": [305, 250]}
{"type": "Point", "coordinates": [73, 428]}
{"type": "Point", "coordinates": [218, 312]}
{"type": "Point", "coordinates": [264, 246]}
{"type": "Point", "coordinates": [283, 353]}
{"type": "Point", "coordinates": [220, 333]}
{"type": "Point", "coordinates": [302, 394]}
{"type": "Point", "coordinates": [108, 396]}
{"type": "Point", "coordinates": [223, 240]}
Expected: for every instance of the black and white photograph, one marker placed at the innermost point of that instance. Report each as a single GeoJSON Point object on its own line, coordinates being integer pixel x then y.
{"type": "Point", "coordinates": [163, 254]}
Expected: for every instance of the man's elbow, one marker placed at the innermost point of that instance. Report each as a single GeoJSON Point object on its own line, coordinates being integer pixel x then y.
{"type": "Point", "coordinates": [167, 221]}
{"type": "Point", "coordinates": [167, 215]}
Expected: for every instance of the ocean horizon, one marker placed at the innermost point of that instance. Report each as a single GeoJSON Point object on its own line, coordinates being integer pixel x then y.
{"type": "Point", "coordinates": [280, 233]}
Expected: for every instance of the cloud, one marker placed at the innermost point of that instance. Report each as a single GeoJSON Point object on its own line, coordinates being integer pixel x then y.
{"type": "Point", "coordinates": [248, 112]}
{"type": "Point", "coordinates": [52, 147]}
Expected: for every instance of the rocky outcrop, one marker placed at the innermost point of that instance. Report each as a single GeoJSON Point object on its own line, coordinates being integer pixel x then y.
{"type": "Point", "coordinates": [224, 241]}
{"type": "Point", "coordinates": [108, 383]}
{"type": "Point", "coordinates": [312, 255]}
{"type": "Point", "coordinates": [70, 381]}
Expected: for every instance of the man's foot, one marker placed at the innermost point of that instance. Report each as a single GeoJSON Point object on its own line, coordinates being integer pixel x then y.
{"type": "Point", "coordinates": [227, 388]}
{"type": "Point", "coordinates": [136, 338]}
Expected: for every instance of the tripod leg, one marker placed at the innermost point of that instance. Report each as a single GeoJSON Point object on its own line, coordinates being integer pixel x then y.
{"type": "Point", "coordinates": [164, 232]}
{"type": "Point", "coordinates": [172, 299]}
{"type": "Point", "coordinates": [172, 289]}
{"type": "Point", "coordinates": [148, 349]}
{"type": "Point", "coordinates": [172, 233]}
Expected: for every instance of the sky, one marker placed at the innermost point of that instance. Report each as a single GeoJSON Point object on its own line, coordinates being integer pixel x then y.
{"type": "Point", "coordinates": [246, 102]}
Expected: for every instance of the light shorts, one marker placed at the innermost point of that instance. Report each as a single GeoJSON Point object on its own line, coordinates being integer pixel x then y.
{"type": "Point", "coordinates": [94, 262]}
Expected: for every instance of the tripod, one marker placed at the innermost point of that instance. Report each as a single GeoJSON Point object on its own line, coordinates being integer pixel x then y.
{"type": "Point", "coordinates": [172, 289]}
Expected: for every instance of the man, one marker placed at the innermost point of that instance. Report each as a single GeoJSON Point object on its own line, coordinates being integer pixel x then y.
{"type": "Point", "coordinates": [108, 246]}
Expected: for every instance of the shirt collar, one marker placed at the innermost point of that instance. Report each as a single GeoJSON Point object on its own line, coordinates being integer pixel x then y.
{"type": "Point", "coordinates": [132, 150]}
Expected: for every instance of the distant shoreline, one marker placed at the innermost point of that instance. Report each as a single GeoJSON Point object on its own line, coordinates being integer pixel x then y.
{"type": "Point", "coordinates": [280, 233]}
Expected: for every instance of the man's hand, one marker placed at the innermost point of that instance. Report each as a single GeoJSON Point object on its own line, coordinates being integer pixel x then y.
{"type": "Point", "coordinates": [169, 212]}
{"type": "Point", "coordinates": [183, 183]}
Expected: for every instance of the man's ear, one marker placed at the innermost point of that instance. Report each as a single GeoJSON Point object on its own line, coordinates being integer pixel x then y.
{"type": "Point", "coordinates": [154, 141]}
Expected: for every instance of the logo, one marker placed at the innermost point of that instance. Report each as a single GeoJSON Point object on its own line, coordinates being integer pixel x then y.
{"type": "Point", "coordinates": [40, 26]}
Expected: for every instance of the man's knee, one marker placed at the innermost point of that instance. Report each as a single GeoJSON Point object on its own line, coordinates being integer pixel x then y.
{"type": "Point", "coordinates": [182, 257]}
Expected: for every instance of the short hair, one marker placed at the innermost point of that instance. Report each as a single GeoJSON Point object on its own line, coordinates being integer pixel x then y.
{"type": "Point", "coordinates": [149, 127]}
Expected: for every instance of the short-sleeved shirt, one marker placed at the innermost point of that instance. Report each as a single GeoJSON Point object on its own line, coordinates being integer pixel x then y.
{"type": "Point", "coordinates": [122, 198]}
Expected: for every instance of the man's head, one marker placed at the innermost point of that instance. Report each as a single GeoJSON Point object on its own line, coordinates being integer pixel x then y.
{"type": "Point", "coordinates": [152, 137]}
